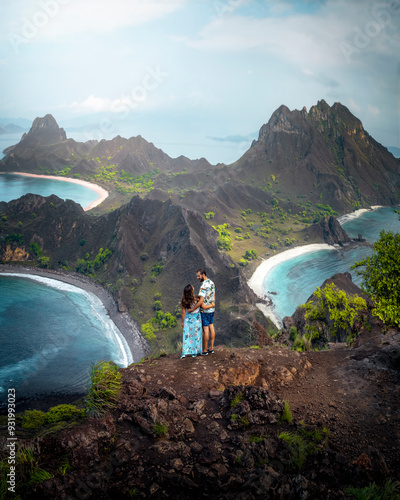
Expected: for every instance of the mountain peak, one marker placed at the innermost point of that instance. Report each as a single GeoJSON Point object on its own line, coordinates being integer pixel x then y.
{"type": "Point", "coordinates": [47, 122]}
{"type": "Point", "coordinates": [44, 131]}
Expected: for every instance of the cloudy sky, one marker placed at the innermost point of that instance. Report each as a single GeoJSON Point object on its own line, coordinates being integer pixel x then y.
{"type": "Point", "coordinates": [198, 77]}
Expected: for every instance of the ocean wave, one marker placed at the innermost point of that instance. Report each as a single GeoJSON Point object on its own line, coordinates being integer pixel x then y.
{"type": "Point", "coordinates": [353, 215]}
{"type": "Point", "coordinates": [97, 310]}
{"type": "Point", "coordinates": [27, 366]}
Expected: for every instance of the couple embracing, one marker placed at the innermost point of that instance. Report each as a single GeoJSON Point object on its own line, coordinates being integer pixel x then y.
{"type": "Point", "coordinates": [198, 317]}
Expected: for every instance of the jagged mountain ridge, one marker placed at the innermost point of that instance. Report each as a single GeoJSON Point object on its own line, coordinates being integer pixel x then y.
{"type": "Point", "coordinates": [325, 155]}
{"type": "Point", "coordinates": [46, 146]}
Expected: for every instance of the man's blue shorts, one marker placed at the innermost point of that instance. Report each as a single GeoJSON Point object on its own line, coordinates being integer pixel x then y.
{"type": "Point", "coordinates": [207, 318]}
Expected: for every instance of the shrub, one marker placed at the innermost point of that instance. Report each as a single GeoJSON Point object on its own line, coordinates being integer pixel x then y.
{"type": "Point", "coordinates": [89, 266]}
{"type": "Point", "coordinates": [148, 331]}
{"type": "Point", "coordinates": [243, 262]}
{"type": "Point", "coordinates": [333, 307]}
{"type": "Point", "coordinates": [157, 269]}
{"type": "Point", "coordinates": [33, 419]}
{"type": "Point", "coordinates": [35, 247]}
{"type": "Point", "coordinates": [250, 255]}
{"type": "Point", "coordinates": [63, 412]}
{"type": "Point", "coordinates": [238, 230]}
{"type": "Point", "coordinates": [381, 277]}
{"type": "Point", "coordinates": [157, 306]}
{"type": "Point", "coordinates": [106, 384]}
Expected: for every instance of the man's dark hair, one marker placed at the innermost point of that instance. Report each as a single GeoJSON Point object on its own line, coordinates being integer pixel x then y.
{"type": "Point", "coordinates": [201, 271]}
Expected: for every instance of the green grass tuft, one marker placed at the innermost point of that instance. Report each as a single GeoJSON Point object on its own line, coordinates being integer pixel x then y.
{"type": "Point", "coordinates": [160, 429]}
{"type": "Point", "coordinates": [390, 491]}
{"type": "Point", "coordinates": [286, 414]}
{"type": "Point", "coordinates": [105, 390]}
{"type": "Point", "coordinates": [237, 400]}
{"type": "Point", "coordinates": [256, 439]}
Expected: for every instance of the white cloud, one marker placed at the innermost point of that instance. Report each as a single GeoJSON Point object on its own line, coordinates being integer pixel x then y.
{"type": "Point", "coordinates": [373, 110]}
{"type": "Point", "coordinates": [306, 39]}
{"type": "Point", "coordinates": [123, 104]}
{"type": "Point", "coordinates": [55, 18]}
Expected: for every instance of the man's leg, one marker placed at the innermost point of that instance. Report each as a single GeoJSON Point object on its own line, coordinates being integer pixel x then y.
{"type": "Point", "coordinates": [212, 336]}
{"type": "Point", "coordinates": [205, 338]}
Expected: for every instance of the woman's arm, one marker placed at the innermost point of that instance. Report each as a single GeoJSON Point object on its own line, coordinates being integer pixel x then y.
{"type": "Point", "coordinates": [209, 306]}
{"type": "Point", "coordinates": [183, 315]}
{"type": "Point", "coordinates": [198, 304]}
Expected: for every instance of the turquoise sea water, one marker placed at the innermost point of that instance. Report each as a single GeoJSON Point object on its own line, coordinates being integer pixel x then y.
{"type": "Point", "coordinates": [296, 279]}
{"type": "Point", "coordinates": [50, 334]}
{"type": "Point", "coordinates": [15, 186]}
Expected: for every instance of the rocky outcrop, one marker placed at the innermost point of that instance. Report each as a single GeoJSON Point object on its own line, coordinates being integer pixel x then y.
{"type": "Point", "coordinates": [44, 131]}
{"type": "Point", "coordinates": [329, 231]}
{"type": "Point", "coordinates": [178, 432]}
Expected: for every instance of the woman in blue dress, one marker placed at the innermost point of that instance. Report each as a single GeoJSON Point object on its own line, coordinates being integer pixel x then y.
{"type": "Point", "coordinates": [191, 324]}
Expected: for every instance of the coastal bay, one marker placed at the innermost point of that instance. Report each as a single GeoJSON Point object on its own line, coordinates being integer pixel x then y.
{"type": "Point", "coordinates": [294, 274]}
{"type": "Point", "coordinates": [100, 191]}
{"type": "Point", "coordinates": [48, 348]}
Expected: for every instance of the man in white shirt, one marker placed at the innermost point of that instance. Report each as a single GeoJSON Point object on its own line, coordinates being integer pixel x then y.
{"type": "Point", "coordinates": [207, 291]}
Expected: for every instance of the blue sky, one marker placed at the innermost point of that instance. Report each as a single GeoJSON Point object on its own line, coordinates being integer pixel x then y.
{"type": "Point", "coordinates": [198, 77]}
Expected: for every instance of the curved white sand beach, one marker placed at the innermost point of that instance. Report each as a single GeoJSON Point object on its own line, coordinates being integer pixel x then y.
{"type": "Point", "coordinates": [257, 280]}
{"type": "Point", "coordinates": [103, 193]}
{"type": "Point", "coordinates": [259, 275]}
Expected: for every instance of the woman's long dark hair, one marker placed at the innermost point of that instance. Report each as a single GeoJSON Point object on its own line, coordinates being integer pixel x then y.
{"type": "Point", "coordinates": [188, 297]}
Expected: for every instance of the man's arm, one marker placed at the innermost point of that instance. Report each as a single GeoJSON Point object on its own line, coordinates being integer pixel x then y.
{"type": "Point", "coordinates": [198, 304]}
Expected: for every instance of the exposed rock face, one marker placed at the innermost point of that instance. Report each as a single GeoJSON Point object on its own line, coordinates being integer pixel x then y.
{"type": "Point", "coordinates": [325, 154]}
{"type": "Point", "coordinates": [44, 131]}
{"type": "Point", "coordinates": [330, 231]}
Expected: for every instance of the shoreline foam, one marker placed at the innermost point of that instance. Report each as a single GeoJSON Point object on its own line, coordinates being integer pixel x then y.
{"type": "Point", "coordinates": [103, 193]}
{"type": "Point", "coordinates": [257, 279]}
{"type": "Point", "coordinates": [132, 338]}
